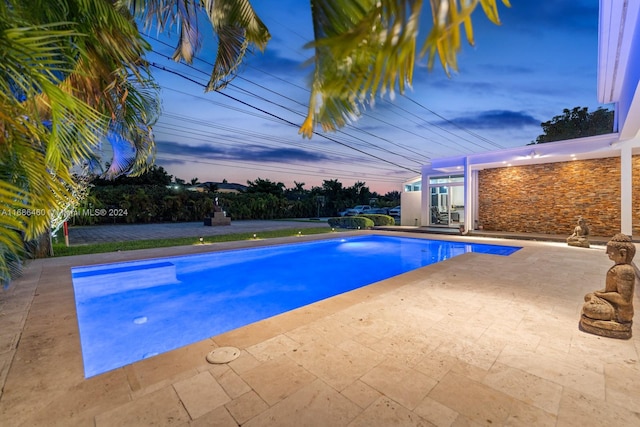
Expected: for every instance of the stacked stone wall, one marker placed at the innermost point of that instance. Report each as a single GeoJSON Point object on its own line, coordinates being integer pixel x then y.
{"type": "Point", "coordinates": [549, 198]}
{"type": "Point", "coordinates": [636, 196]}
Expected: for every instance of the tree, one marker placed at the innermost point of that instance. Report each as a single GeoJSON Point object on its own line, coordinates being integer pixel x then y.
{"type": "Point", "coordinates": [74, 72]}
{"type": "Point", "coordinates": [154, 175]}
{"type": "Point", "coordinates": [265, 186]}
{"type": "Point", "coordinates": [71, 76]}
{"type": "Point", "coordinates": [576, 123]}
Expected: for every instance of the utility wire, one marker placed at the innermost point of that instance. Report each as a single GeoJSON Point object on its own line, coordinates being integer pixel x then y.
{"type": "Point", "coordinates": [168, 70]}
{"type": "Point", "coordinates": [342, 131]}
{"type": "Point", "coordinates": [480, 137]}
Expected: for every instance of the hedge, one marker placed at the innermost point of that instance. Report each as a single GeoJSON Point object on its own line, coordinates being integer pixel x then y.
{"type": "Point", "coordinates": [354, 222]}
{"type": "Point", "coordinates": [379, 219]}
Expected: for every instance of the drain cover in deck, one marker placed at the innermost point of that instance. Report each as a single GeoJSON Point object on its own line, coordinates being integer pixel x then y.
{"type": "Point", "coordinates": [223, 355]}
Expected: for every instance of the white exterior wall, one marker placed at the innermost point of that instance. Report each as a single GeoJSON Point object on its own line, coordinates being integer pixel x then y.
{"type": "Point", "coordinates": [411, 212]}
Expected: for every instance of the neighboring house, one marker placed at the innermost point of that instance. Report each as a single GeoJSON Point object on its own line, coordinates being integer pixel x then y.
{"type": "Point", "coordinates": [223, 187]}
{"type": "Point", "coordinates": [544, 188]}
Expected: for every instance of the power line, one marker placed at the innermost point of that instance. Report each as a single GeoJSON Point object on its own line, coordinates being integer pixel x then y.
{"type": "Point", "coordinates": [207, 138]}
{"type": "Point", "coordinates": [480, 137]}
{"type": "Point", "coordinates": [166, 69]}
{"type": "Point", "coordinates": [343, 132]}
{"type": "Point", "coordinates": [474, 134]}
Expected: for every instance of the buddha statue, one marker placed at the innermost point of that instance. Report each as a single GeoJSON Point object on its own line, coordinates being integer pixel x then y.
{"type": "Point", "coordinates": [609, 312]}
{"type": "Point", "coordinates": [580, 235]}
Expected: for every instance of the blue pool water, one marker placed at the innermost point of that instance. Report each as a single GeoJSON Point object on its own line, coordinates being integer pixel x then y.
{"type": "Point", "coordinates": [133, 310]}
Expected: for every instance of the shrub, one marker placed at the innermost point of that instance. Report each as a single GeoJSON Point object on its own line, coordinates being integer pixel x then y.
{"type": "Point", "coordinates": [380, 219]}
{"type": "Point", "coordinates": [353, 222]}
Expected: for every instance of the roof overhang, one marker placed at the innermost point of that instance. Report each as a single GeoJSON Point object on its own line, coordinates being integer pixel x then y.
{"type": "Point", "coordinates": [619, 61]}
{"type": "Point", "coordinates": [616, 29]}
{"type": "Point", "coordinates": [592, 147]}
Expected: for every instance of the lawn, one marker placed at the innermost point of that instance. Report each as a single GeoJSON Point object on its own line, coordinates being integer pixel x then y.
{"type": "Point", "coordinates": [59, 249]}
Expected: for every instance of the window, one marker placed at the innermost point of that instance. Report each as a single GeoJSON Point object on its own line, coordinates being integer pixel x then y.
{"type": "Point", "coordinates": [413, 186]}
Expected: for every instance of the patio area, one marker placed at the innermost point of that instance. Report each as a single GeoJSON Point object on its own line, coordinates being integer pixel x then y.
{"type": "Point", "coordinates": [477, 340]}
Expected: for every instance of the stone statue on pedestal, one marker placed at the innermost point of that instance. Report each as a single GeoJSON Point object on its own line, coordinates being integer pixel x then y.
{"type": "Point", "coordinates": [580, 236]}
{"type": "Point", "coordinates": [609, 312]}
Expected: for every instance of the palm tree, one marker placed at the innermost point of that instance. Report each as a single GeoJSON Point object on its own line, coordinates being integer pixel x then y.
{"type": "Point", "coordinates": [73, 73]}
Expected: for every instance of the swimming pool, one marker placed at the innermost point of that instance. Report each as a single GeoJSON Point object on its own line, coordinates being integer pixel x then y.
{"type": "Point", "coordinates": [133, 310]}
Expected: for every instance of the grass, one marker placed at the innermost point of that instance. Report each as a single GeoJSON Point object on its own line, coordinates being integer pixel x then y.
{"type": "Point", "coordinates": [59, 249]}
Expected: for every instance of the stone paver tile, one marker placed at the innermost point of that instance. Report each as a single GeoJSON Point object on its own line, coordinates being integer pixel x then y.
{"type": "Point", "coordinates": [219, 417]}
{"type": "Point", "coordinates": [523, 415]}
{"type": "Point", "coordinates": [526, 387]}
{"type": "Point", "coordinates": [161, 408]}
{"type": "Point", "coordinates": [480, 353]}
{"type": "Point", "coordinates": [361, 394]}
{"type": "Point", "coordinates": [605, 349]}
{"type": "Point", "coordinates": [408, 346]}
{"type": "Point", "coordinates": [233, 384]}
{"type": "Point", "coordinates": [200, 394]}
{"type": "Point", "coordinates": [245, 362]}
{"type": "Point", "coordinates": [276, 379]}
{"type": "Point", "coordinates": [5, 364]}
{"type": "Point", "coordinates": [436, 413]}
{"type": "Point", "coordinates": [273, 348]}
{"type": "Point", "coordinates": [436, 364]}
{"type": "Point", "coordinates": [250, 335]}
{"type": "Point", "coordinates": [499, 332]}
{"type": "Point", "coordinates": [554, 333]}
{"type": "Point", "coordinates": [556, 369]}
{"type": "Point", "coordinates": [329, 329]}
{"type": "Point", "coordinates": [581, 361]}
{"type": "Point", "coordinates": [584, 410]}
{"type": "Point", "coordinates": [374, 323]}
{"type": "Point", "coordinates": [337, 366]}
{"type": "Point", "coordinates": [474, 400]}
{"type": "Point", "coordinates": [39, 390]}
{"type": "Point", "coordinates": [8, 341]}
{"type": "Point", "coordinates": [385, 412]}
{"type": "Point", "coordinates": [216, 369]}
{"type": "Point", "coordinates": [405, 385]}
{"type": "Point", "coordinates": [470, 371]}
{"type": "Point", "coordinates": [463, 421]}
{"type": "Point", "coordinates": [622, 384]}
{"type": "Point", "coordinates": [316, 404]}
{"type": "Point", "coordinates": [305, 334]}
{"type": "Point", "coordinates": [159, 371]}
{"type": "Point", "coordinates": [246, 407]}
{"type": "Point", "coordinates": [306, 314]}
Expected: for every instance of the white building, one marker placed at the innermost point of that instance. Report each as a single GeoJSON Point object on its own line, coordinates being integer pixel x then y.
{"type": "Point", "coordinates": [447, 193]}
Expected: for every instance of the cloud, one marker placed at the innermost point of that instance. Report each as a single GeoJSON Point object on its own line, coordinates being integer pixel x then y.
{"type": "Point", "coordinates": [496, 119]}
{"type": "Point", "coordinates": [249, 152]}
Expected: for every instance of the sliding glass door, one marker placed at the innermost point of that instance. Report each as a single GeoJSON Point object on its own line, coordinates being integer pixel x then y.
{"type": "Point", "coordinates": [446, 201]}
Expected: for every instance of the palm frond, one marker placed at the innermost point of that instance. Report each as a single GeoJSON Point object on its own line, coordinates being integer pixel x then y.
{"type": "Point", "coordinates": [235, 23]}
{"type": "Point", "coordinates": [366, 48]}
{"type": "Point", "coordinates": [238, 27]}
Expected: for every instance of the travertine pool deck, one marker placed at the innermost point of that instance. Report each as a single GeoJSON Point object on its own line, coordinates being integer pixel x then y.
{"type": "Point", "coordinates": [477, 340]}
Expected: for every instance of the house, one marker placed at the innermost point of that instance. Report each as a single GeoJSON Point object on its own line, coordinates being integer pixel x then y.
{"type": "Point", "coordinates": [222, 187]}
{"type": "Point", "coordinates": [544, 188]}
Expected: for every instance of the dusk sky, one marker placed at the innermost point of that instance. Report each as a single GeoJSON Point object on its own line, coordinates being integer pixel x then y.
{"type": "Point", "coordinates": [541, 60]}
